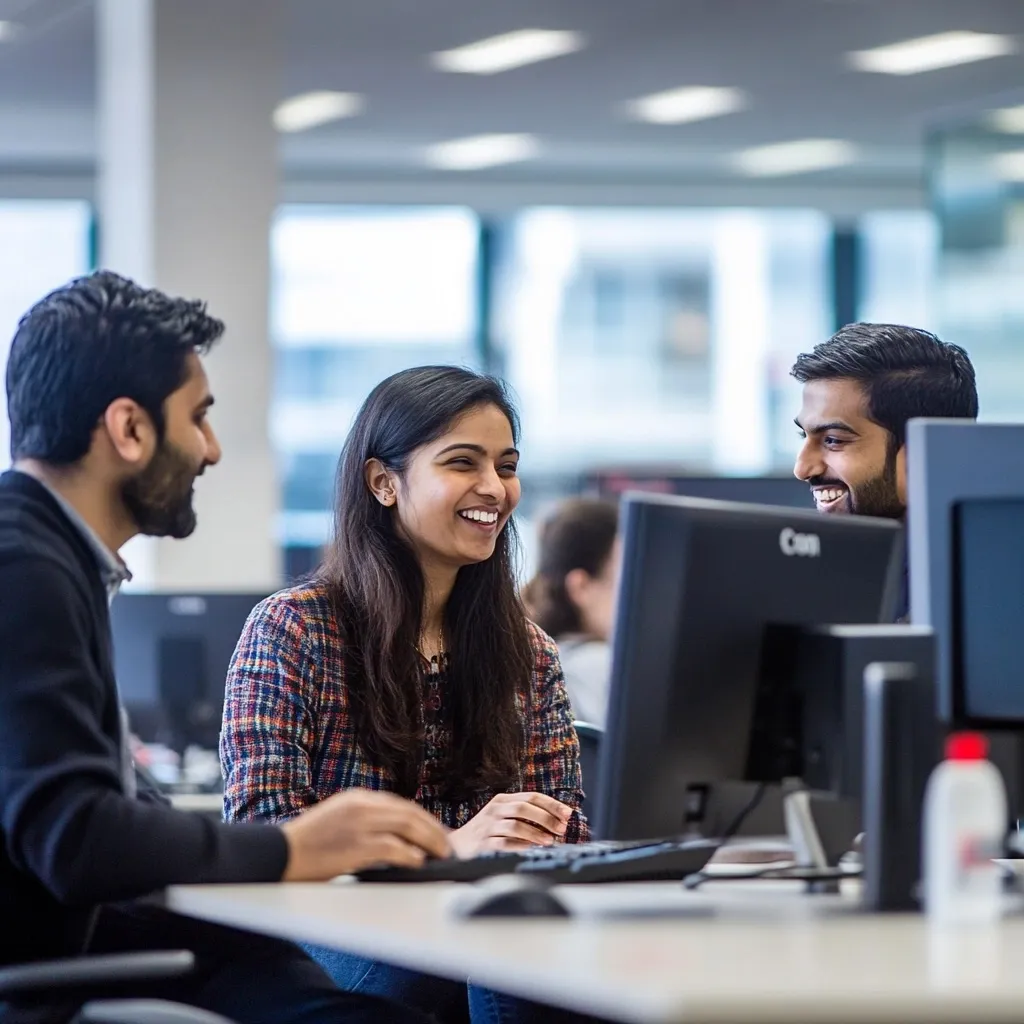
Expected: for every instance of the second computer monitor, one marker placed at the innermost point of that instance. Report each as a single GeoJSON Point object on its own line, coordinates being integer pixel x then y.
{"type": "Point", "coordinates": [702, 584]}
{"type": "Point", "coordinates": [171, 654]}
{"type": "Point", "coordinates": [965, 485]}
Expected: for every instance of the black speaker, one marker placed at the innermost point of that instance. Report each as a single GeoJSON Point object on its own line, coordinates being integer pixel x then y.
{"type": "Point", "coordinates": [902, 742]}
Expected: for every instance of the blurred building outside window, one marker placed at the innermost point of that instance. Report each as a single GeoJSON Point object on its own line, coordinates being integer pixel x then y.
{"type": "Point", "coordinates": [978, 193]}
{"type": "Point", "coordinates": [630, 337]}
{"type": "Point", "coordinates": [358, 293]}
{"type": "Point", "coordinates": [659, 337]}
{"type": "Point", "coordinates": [899, 252]}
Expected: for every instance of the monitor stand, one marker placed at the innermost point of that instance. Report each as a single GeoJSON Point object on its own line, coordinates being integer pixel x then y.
{"type": "Point", "coordinates": [802, 832]}
{"type": "Point", "coordinates": [800, 825]}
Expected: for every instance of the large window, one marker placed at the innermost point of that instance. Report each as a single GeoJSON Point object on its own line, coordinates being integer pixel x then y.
{"type": "Point", "coordinates": [655, 339]}
{"type": "Point", "coordinates": [978, 191]}
{"type": "Point", "coordinates": [358, 293]}
{"type": "Point", "coordinates": [633, 339]}
{"type": "Point", "coordinates": [43, 243]}
{"type": "Point", "coordinates": [898, 268]}
{"type": "Point", "coordinates": [659, 336]}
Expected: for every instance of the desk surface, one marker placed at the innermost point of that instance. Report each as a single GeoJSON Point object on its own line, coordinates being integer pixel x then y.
{"type": "Point", "coordinates": [655, 953]}
{"type": "Point", "coordinates": [207, 803]}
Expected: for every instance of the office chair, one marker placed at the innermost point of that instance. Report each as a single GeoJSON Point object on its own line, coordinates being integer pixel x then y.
{"type": "Point", "coordinates": [90, 990]}
{"type": "Point", "coordinates": [590, 749]}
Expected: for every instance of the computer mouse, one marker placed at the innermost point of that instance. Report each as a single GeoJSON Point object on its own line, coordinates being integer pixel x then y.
{"type": "Point", "coordinates": [507, 896]}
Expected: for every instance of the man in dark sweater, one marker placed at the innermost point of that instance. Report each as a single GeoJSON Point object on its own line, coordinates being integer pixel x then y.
{"type": "Point", "coordinates": [108, 404]}
{"type": "Point", "coordinates": [861, 387]}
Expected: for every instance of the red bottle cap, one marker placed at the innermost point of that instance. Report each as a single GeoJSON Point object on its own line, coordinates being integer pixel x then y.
{"type": "Point", "coordinates": [966, 746]}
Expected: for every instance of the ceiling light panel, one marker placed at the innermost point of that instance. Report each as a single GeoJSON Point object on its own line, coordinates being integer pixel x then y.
{"type": "Point", "coordinates": [1009, 166]}
{"type": "Point", "coordinates": [798, 157]}
{"type": "Point", "coordinates": [1009, 120]}
{"type": "Point", "coordinates": [687, 104]}
{"type": "Point", "coordinates": [315, 108]}
{"type": "Point", "coordinates": [481, 151]}
{"type": "Point", "coordinates": [508, 51]}
{"type": "Point", "coordinates": [929, 53]}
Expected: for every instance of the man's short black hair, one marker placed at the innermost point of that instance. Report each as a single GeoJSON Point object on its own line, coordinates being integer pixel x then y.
{"type": "Point", "coordinates": [90, 342]}
{"type": "Point", "coordinates": [904, 372]}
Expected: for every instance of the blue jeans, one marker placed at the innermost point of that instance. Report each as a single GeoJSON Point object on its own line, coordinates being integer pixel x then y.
{"type": "Point", "coordinates": [448, 1002]}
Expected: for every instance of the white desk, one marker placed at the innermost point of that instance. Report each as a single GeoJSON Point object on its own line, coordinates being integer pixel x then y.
{"type": "Point", "coordinates": [729, 953]}
{"type": "Point", "coordinates": [205, 803]}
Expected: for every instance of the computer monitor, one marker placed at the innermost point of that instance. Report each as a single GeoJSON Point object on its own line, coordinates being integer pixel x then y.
{"type": "Point", "coordinates": [988, 611]}
{"type": "Point", "coordinates": [171, 656]}
{"type": "Point", "coordinates": [965, 489]}
{"type": "Point", "coordinates": [965, 501]}
{"type": "Point", "coordinates": [707, 592]}
{"type": "Point", "coordinates": [827, 695]}
{"type": "Point", "coordinates": [785, 491]}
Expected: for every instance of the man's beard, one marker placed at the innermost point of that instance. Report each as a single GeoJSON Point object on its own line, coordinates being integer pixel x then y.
{"type": "Point", "coordinates": [159, 499]}
{"type": "Point", "coordinates": [879, 496]}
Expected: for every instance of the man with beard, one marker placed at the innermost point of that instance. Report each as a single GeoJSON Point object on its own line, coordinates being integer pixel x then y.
{"type": "Point", "coordinates": [860, 389]}
{"type": "Point", "coordinates": [108, 403]}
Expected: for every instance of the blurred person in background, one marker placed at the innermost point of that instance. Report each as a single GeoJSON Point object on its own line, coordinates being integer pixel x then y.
{"type": "Point", "coordinates": [572, 597]}
{"type": "Point", "coordinates": [408, 663]}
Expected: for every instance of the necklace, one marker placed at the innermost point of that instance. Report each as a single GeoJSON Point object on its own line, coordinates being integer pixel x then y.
{"type": "Point", "coordinates": [435, 661]}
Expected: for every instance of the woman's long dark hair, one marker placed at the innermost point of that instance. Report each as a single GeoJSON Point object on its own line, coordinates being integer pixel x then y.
{"type": "Point", "coordinates": [377, 592]}
{"type": "Point", "coordinates": [579, 535]}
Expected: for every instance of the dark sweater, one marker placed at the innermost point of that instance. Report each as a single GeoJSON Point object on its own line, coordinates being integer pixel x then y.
{"type": "Point", "coordinates": [70, 839]}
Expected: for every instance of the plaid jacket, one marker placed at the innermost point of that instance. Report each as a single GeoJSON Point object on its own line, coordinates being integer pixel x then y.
{"type": "Point", "coordinates": [288, 737]}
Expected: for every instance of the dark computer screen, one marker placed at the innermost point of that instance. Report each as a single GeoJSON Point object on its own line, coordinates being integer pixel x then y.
{"type": "Point", "coordinates": [171, 656]}
{"type": "Point", "coordinates": [708, 590]}
{"type": "Point", "coordinates": [988, 609]}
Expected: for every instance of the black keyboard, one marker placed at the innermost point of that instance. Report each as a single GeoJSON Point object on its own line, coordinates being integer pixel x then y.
{"type": "Point", "coordinates": [670, 860]}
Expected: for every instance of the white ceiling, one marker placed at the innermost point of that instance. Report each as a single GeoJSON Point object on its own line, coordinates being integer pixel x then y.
{"type": "Point", "coordinates": [787, 54]}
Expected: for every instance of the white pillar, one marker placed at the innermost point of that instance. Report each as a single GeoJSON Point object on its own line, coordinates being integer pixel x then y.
{"type": "Point", "coordinates": [187, 187]}
{"type": "Point", "coordinates": [740, 301]}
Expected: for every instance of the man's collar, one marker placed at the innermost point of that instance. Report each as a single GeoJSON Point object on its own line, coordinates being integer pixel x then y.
{"type": "Point", "coordinates": [112, 568]}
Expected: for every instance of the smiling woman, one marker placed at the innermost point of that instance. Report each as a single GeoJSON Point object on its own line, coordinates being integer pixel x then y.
{"type": "Point", "coordinates": [454, 495]}
{"type": "Point", "coordinates": [408, 663]}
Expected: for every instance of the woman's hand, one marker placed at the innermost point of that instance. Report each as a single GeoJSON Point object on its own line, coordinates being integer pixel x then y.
{"type": "Point", "coordinates": [512, 821]}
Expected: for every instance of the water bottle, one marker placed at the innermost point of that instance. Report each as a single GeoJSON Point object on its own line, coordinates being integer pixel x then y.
{"type": "Point", "coordinates": [965, 822]}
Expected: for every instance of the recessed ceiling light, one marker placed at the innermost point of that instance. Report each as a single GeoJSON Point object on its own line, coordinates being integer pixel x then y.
{"type": "Point", "coordinates": [480, 151]}
{"type": "Point", "coordinates": [1010, 166]}
{"type": "Point", "coordinates": [1009, 120]}
{"type": "Point", "coordinates": [690, 103]}
{"type": "Point", "coordinates": [945, 50]}
{"type": "Point", "coordinates": [798, 157]}
{"type": "Point", "coordinates": [314, 108]}
{"type": "Point", "coordinates": [508, 51]}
